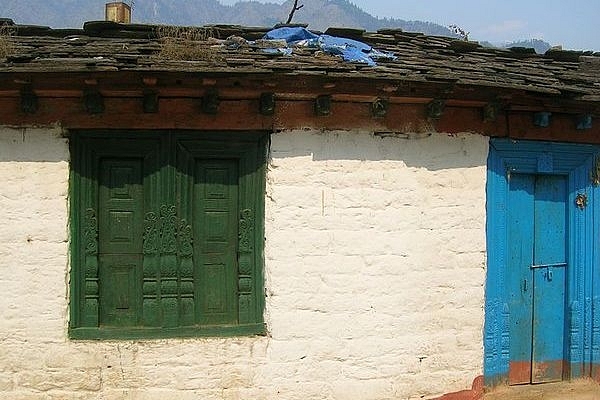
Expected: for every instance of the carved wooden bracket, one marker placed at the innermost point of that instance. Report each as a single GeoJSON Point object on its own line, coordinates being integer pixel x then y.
{"type": "Point", "coordinates": [210, 102]}
{"type": "Point", "coordinates": [379, 108]}
{"type": "Point", "coordinates": [435, 109]}
{"type": "Point", "coordinates": [267, 103]}
{"type": "Point", "coordinates": [584, 122]}
{"type": "Point", "coordinates": [491, 111]}
{"type": "Point", "coordinates": [150, 101]}
{"type": "Point", "coordinates": [323, 105]}
{"type": "Point", "coordinates": [29, 100]}
{"type": "Point", "coordinates": [93, 101]}
{"type": "Point", "coordinates": [542, 119]}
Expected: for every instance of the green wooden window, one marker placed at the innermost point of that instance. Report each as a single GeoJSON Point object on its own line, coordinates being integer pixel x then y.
{"type": "Point", "coordinates": [166, 234]}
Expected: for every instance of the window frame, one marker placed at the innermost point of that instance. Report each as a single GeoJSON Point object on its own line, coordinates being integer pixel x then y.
{"type": "Point", "coordinates": [249, 148]}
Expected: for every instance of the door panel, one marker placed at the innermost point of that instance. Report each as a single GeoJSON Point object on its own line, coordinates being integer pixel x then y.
{"type": "Point", "coordinates": [536, 277]}
{"type": "Point", "coordinates": [120, 200]}
{"type": "Point", "coordinates": [549, 278]}
{"type": "Point", "coordinates": [119, 289]}
{"type": "Point", "coordinates": [548, 325]}
{"type": "Point", "coordinates": [216, 233]}
{"type": "Point", "coordinates": [519, 275]}
{"type": "Point", "coordinates": [120, 206]}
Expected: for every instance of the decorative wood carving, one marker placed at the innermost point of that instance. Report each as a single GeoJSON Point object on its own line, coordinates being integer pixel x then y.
{"type": "Point", "coordinates": [90, 231]}
{"type": "Point", "coordinates": [574, 334]}
{"type": "Point", "coordinates": [151, 234]}
{"type": "Point", "coordinates": [186, 273]}
{"type": "Point", "coordinates": [91, 290]}
{"type": "Point", "coordinates": [168, 269]}
{"type": "Point", "coordinates": [596, 332]}
{"type": "Point", "coordinates": [545, 163]}
{"type": "Point", "coordinates": [185, 239]}
{"type": "Point", "coordinates": [246, 230]}
{"type": "Point", "coordinates": [587, 327]}
{"type": "Point", "coordinates": [505, 335]}
{"type": "Point", "coordinates": [168, 220]}
{"type": "Point", "coordinates": [245, 262]}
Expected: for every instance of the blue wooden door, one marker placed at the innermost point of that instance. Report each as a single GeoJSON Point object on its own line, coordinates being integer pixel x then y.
{"type": "Point", "coordinates": [536, 276]}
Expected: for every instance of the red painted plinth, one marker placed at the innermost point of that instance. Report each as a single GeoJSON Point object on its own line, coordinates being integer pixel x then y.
{"type": "Point", "coordinates": [475, 393]}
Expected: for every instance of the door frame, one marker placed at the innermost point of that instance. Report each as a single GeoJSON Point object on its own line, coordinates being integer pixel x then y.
{"type": "Point", "coordinates": [580, 163]}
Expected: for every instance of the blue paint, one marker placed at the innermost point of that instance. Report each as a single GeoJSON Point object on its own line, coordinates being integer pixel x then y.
{"type": "Point", "coordinates": [542, 119]}
{"type": "Point", "coordinates": [519, 276]}
{"type": "Point", "coordinates": [550, 263]}
{"type": "Point", "coordinates": [545, 163]}
{"type": "Point", "coordinates": [584, 122]}
{"type": "Point", "coordinates": [567, 321]}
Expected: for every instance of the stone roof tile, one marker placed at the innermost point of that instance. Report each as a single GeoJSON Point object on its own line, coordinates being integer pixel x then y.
{"type": "Point", "coordinates": [102, 45]}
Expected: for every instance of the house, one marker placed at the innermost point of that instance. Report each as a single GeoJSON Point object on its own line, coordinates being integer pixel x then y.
{"type": "Point", "coordinates": [199, 213]}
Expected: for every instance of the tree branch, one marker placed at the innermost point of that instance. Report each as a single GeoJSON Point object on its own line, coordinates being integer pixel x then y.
{"type": "Point", "coordinates": [295, 8]}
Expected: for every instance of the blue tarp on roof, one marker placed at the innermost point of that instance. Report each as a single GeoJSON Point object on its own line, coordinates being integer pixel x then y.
{"type": "Point", "coordinates": [350, 50]}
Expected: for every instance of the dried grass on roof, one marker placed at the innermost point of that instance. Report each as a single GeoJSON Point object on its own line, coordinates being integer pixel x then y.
{"type": "Point", "coordinates": [6, 46]}
{"type": "Point", "coordinates": [188, 44]}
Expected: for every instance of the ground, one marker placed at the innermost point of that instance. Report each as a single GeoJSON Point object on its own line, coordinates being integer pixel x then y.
{"type": "Point", "coordinates": [582, 389]}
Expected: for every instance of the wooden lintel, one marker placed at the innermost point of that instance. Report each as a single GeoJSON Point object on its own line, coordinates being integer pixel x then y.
{"type": "Point", "coordinates": [233, 94]}
{"type": "Point", "coordinates": [565, 108]}
{"type": "Point", "coordinates": [186, 113]}
{"type": "Point", "coordinates": [563, 128]}
{"type": "Point", "coordinates": [248, 86]}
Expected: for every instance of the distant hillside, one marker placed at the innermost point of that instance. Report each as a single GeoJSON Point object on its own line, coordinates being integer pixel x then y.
{"type": "Point", "coordinates": [319, 14]}
{"type": "Point", "coordinates": [538, 45]}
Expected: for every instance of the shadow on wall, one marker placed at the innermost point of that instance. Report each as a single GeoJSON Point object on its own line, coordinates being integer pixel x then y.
{"type": "Point", "coordinates": [435, 152]}
{"type": "Point", "coordinates": [33, 145]}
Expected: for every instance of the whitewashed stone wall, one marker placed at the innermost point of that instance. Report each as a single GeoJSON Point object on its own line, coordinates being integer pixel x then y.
{"type": "Point", "coordinates": [375, 255]}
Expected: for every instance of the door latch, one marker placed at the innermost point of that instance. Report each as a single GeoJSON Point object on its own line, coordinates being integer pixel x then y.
{"type": "Point", "coordinates": [549, 272]}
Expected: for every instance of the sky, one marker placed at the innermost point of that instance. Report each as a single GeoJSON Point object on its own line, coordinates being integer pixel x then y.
{"type": "Point", "coordinates": [574, 24]}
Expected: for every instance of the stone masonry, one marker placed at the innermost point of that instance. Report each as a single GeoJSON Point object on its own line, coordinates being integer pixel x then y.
{"type": "Point", "coordinates": [374, 264]}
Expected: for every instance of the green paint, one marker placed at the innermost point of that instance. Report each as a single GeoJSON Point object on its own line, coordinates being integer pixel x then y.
{"type": "Point", "coordinates": [166, 234]}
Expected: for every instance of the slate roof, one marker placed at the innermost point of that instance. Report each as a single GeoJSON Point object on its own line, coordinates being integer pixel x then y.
{"type": "Point", "coordinates": [107, 46]}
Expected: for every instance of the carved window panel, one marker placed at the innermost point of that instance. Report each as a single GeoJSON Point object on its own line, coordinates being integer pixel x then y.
{"type": "Point", "coordinates": [165, 236]}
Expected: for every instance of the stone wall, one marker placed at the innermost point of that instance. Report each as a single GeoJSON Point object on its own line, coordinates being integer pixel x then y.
{"type": "Point", "coordinates": [375, 256]}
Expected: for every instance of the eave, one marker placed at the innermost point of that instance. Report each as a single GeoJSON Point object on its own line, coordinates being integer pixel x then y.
{"type": "Point", "coordinates": [60, 100]}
